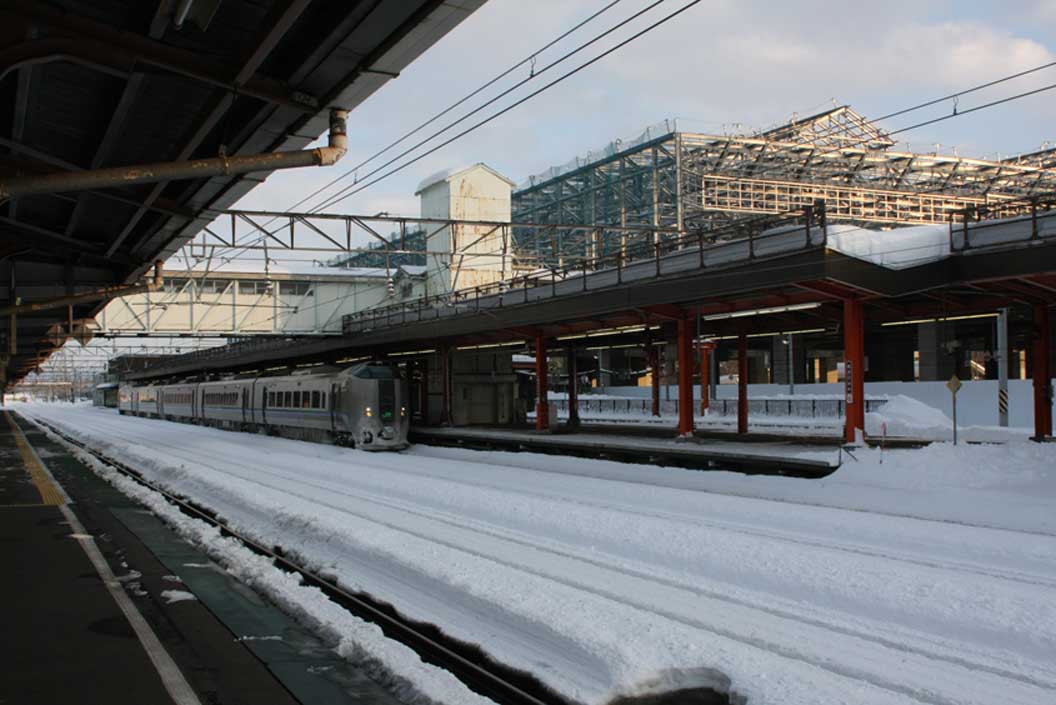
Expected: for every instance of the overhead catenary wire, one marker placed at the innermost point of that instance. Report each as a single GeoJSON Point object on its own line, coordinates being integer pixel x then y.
{"type": "Point", "coordinates": [534, 74]}
{"type": "Point", "coordinates": [469, 96]}
{"type": "Point", "coordinates": [834, 150]}
{"type": "Point", "coordinates": [348, 192]}
{"type": "Point", "coordinates": [503, 94]}
{"type": "Point", "coordinates": [344, 193]}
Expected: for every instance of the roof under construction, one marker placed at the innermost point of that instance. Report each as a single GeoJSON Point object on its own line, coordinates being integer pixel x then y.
{"type": "Point", "coordinates": [696, 182]}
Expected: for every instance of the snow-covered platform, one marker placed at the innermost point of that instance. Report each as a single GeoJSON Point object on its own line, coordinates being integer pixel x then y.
{"type": "Point", "coordinates": [644, 445]}
{"type": "Point", "coordinates": [927, 578]}
{"type": "Point", "coordinates": [104, 604]}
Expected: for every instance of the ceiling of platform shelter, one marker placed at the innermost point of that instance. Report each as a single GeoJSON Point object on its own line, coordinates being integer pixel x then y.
{"type": "Point", "coordinates": [97, 85]}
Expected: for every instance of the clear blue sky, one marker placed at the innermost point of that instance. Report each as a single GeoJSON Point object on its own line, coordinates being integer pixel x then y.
{"type": "Point", "coordinates": [721, 63]}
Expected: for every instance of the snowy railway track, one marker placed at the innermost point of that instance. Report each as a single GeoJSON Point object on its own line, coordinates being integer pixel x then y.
{"type": "Point", "coordinates": [725, 527]}
{"type": "Point", "coordinates": [492, 680]}
{"type": "Point", "coordinates": [909, 664]}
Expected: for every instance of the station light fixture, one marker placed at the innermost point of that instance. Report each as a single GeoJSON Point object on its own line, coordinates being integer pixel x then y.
{"type": "Point", "coordinates": [760, 311]}
{"type": "Point", "coordinates": [936, 320]}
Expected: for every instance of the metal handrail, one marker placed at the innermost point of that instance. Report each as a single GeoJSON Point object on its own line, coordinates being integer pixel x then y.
{"type": "Point", "coordinates": [814, 216]}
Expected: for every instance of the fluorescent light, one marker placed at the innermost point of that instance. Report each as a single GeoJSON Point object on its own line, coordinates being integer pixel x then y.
{"type": "Point", "coordinates": [760, 311]}
{"type": "Point", "coordinates": [936, 320]}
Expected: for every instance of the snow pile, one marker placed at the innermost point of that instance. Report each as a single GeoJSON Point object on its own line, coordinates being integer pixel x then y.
{"type": "Point", "coordinates": [172, 596]}
{"type": "Point", "coordinates": [908, 418]}
{"type": "Point", "coordinates": [1019, 467]}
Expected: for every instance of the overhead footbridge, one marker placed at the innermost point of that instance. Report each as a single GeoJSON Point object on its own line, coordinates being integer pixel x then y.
{"type": "Point", "coordinates": [126, 123]}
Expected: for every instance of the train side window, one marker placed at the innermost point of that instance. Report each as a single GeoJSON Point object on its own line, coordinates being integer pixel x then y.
{"type": "Point", "coordinates": [296, 400]}
{"type": "Point", "coordinates": [306, 400]}
{"type": "Point", "coordinates": [316, 401]}
{"type": "Point", "coordinates": [323, 402]}
{"type": "Point", "coordinates": [287, 399]}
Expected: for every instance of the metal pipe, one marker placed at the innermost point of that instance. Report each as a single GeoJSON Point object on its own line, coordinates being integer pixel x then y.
{"type": "Point", "coordinates": [109, 292]}
{"type": "Point", "coordinates": [176, 171]}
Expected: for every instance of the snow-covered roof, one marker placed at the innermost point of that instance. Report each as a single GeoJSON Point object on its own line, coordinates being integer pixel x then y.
{"type": "Point", "coordinates": [219, 267]}
{"type": "Point", "coordinates": [898, 248]}
{"type": "Point", "coordinates": [448, 174]}
{"type": "Point", "coordinates": [413, 270]}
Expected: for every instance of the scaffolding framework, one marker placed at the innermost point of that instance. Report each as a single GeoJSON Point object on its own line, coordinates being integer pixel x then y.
{"type": "Point", "coordinates": [697, 182]}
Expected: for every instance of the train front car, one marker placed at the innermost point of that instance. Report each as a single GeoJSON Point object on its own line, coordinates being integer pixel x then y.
{"type": "Point", "coordinates": [373, 403]}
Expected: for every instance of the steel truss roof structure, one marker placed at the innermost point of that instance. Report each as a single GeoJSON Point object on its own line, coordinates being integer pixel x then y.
{"type": "Point", "coordinates": [698, 182]}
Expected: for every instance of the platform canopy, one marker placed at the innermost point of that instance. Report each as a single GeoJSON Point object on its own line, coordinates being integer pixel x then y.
{"type": "Point", "coordinates": [92, 85]}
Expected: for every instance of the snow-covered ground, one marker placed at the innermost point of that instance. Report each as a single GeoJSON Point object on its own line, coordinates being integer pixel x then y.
{"type": "Point", "coordinates": [900, 417]}
{"type": "Point", "coordinates": [929, 578]}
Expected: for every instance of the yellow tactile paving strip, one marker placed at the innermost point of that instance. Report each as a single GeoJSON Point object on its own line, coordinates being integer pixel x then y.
{"type": "Point", "coordinates": [49, 493]}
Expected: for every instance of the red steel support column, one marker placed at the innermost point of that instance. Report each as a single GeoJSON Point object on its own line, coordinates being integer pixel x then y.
{"type": "Point", "coordinates": [542, 386]}
{"type": "Point", "coordinates": [654, 376]}
{"type": "Point", "coordinates": [854, 368]}
{"type": "Point", "coordinates": [742, 383]}
{"type": "Point", "coordinates": [705, 376]}
{"type": "Point", "coordinates": [444, 351]}
{"type": "Point", "coordinates": [1042, 372]}
{"type": "Point", "coordinates": [685, 377]}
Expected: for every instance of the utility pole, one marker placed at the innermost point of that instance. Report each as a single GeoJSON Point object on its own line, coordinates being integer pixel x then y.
{"type": "Point", "coordinates": [1002, 367]}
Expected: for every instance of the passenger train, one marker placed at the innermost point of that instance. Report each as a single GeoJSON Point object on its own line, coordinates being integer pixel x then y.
{"type": "Point", "coordinates": [363, 406]}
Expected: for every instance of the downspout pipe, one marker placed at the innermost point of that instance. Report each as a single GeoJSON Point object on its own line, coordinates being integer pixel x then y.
{"type": "Point", "coordinates": [176, 171]}
{"type": "Point", "coordinates": [108, 292]}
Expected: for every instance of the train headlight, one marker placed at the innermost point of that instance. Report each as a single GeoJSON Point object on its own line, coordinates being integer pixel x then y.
{"type": "Point", "coordinates": [369, 412]}
{"type": "Point", "coordinates": [403, 411]}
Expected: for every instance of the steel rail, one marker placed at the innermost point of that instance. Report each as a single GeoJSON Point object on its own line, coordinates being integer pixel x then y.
{"type": "Point", "coordinates": [481, 675]}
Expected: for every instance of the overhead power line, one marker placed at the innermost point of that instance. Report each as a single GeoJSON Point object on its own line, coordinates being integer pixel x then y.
{"type": "Point", "coordinates": [346, 193]}
{"type": "Point", "coordinates": [469, 96]}
{"type": "Point", "coordinates": [343, 195]}
{"type": "Point", "coordinates": [337, 197]}
{"type": "Point", "coordinates": [528, 59]}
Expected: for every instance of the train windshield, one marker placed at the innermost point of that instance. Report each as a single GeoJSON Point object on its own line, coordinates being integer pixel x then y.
{"type": "Point", "coordinates": [376, 371]}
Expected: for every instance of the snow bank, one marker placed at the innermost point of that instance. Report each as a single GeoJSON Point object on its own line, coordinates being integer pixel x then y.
{"type": "Point", "coordinates": [908, 418]}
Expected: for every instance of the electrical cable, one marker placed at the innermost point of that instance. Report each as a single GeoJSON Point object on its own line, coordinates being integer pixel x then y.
{"type": "Point", "coordinates": [534, 74]}
{"type": "Point", "coordinates": [339, 196]}
{"type": "Point", "coordinates": [347, 193]}
{"type": "Point", "coordinates": [893, 114]}
{"type": "Point", "coordinates": [530, 58]}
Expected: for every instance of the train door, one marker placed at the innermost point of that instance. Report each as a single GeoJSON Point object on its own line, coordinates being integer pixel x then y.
{"type": "Point", "coordinates": [264, 405]}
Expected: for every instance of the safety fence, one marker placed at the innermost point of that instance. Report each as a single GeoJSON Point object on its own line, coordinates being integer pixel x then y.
{"type": "Point", "coordinates": [808, 407]}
